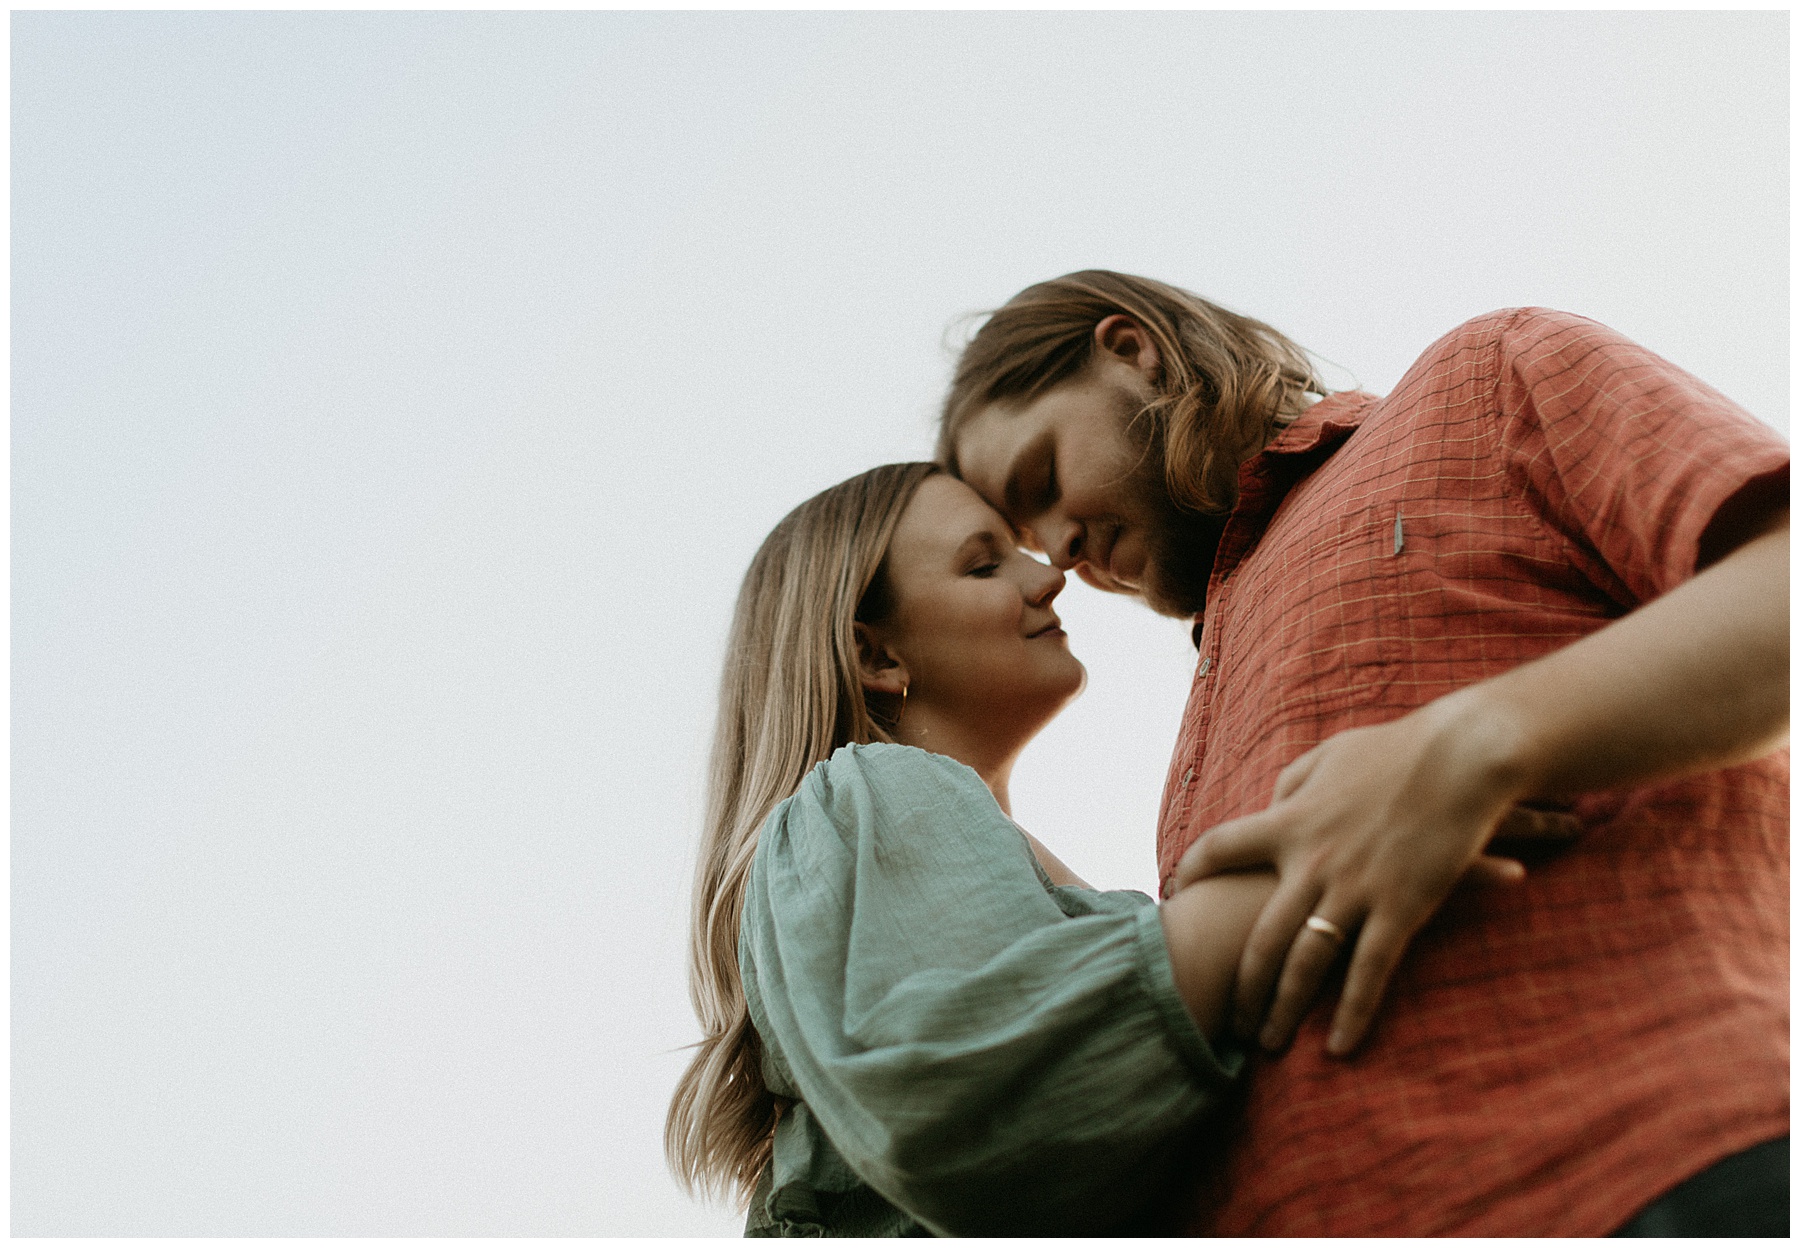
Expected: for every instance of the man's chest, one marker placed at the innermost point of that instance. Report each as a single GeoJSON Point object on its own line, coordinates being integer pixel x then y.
{"type": "Point", "coordinates": [1396, 571]}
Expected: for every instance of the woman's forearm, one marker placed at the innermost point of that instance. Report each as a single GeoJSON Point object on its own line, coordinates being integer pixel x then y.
{"type": "Point", "coordinates": [1205, 926]}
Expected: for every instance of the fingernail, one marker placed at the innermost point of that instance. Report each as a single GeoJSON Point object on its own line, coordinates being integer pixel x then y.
{"type": "Point", "coordinates": [1269, 1040]}
{"type": "Point", "coordinates": [1338, 1044]}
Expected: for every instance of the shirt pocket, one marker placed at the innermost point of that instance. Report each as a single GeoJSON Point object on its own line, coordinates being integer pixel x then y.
{"type": "Point", "coordinates": [1312, 627]}
{"type": "Point", "coordinates": [1480, 588]}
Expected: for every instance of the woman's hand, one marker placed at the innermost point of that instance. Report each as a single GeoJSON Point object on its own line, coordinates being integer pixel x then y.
{"type": "Point", "coordinates": [1369, 832]}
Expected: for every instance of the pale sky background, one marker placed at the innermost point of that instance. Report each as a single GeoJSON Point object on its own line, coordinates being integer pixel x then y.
{"type": "Point", "coordinates": [398, 399]}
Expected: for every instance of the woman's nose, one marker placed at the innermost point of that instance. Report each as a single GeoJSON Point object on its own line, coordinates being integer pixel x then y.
{"type": "Point", "coordinates": [1048, 582]}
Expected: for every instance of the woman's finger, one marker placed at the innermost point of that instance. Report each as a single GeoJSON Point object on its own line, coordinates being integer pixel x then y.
{"type": "Point", "coordinates": [1316, 948]}
{"type": "Point", "coordinates": [1266, 948]}
{"type": "Point", "coordinates": [1229, 846]}
{"type": "Point", "coordinates": [1378, 949]}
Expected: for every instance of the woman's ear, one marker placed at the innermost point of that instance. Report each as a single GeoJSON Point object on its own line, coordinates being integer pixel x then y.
{"type": "Point", "coordinates": [1127, 341]}
{"type": "Point", "coordinates": [880, 670]}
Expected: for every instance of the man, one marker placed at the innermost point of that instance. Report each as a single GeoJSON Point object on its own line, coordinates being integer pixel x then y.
{"type": "Point", "coordinates": [1549, 567]}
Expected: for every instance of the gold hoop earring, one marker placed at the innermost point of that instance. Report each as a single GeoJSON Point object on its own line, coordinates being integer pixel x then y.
{"type": "Point", "coordinates": [902, 712]}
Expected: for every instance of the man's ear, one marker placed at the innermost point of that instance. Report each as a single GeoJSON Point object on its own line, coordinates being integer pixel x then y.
{"type": "Point", "coordinates": [1126, 341]}
{"type": "Point", "coordinates": [879, 669]}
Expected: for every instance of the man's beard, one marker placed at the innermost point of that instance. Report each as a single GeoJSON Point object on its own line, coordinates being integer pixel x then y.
{"type": "Point", "coordinates": [1181, 549]}
{"type": "Point", "coordinates": [1179, 545]}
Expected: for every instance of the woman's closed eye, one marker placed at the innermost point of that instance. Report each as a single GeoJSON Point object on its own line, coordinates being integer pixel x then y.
{"type": "Point", "coordinates": [983, 554]}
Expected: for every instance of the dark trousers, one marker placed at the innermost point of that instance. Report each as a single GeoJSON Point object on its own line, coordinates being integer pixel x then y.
{"type": "Point", "coordinates": [1746, 1194]}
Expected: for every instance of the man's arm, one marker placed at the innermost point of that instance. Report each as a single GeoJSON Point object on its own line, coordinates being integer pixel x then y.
{"type": "Point", "coordinates": [1371, 829]}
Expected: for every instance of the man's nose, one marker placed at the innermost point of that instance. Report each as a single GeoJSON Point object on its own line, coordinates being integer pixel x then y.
{"type": "Point", "coordinates": [1059, 538]}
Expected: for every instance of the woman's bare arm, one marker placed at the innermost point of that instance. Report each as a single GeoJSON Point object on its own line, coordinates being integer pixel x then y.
{"type": "Point", "coordinates": [1054, 867]}
{"type": "Point", "coordinates": [1206, 925]}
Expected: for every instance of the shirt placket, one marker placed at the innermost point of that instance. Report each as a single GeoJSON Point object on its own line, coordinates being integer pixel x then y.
{"type": "Point", "coordinates": [1242, 530]}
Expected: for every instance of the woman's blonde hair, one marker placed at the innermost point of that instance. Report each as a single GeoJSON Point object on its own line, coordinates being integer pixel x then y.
{"type": "Point", "coordinates": [1226, 382]}
{"type": "Point", "coordinates": [790, 695]}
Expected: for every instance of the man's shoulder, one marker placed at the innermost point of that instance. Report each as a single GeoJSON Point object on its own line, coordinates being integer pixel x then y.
{"type": "Point", "coordinates": [1511, 330]}
{"type": "Point", "coordinates": [1527, 345]}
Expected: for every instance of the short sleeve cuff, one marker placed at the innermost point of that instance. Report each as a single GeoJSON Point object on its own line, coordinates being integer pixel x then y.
{"type": "Point", "coordinates": [1218, 1067]}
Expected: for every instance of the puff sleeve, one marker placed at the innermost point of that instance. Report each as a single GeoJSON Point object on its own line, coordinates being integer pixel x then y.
{"type": "Point", "coordinates": [992, 1055]}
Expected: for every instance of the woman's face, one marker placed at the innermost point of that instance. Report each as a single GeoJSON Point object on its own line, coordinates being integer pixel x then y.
{"type": "Point", "coordinates": [972, 624]}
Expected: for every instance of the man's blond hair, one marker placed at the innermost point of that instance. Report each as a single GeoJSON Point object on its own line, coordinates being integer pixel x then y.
{"type": "Point", "coordinates": [1225, 382]}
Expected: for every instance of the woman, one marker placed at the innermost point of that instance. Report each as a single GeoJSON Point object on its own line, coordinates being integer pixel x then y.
{"type": "Point", "coordinates": [917, 1020]}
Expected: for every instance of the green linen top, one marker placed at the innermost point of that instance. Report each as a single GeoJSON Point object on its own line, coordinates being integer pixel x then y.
{"type": "Point", "coordinates": [969, 1049]}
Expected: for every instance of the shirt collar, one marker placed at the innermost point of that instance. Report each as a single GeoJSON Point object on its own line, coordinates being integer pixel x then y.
{"type": "Point", "coordinates": [1264, 479]}
{"type": "Point", "coordinates": [1323, 425]}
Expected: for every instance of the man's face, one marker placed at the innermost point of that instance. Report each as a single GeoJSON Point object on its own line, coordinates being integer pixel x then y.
{"type": "Point", "coordinates": [1065, 470]}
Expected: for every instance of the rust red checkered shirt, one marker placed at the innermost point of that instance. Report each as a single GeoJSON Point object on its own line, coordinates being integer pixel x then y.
{"type": "Point", "coordinates": [1552, 1057]}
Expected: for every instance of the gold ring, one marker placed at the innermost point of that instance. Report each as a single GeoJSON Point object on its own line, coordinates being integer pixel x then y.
{"type": "Point", "coordinates": [1325, 927]}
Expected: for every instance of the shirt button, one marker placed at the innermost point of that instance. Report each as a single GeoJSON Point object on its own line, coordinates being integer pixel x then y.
{"type": "Point", "coordinates": [1187, 779]}
{"type": "Point", "coordinates": [1205, 665]}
